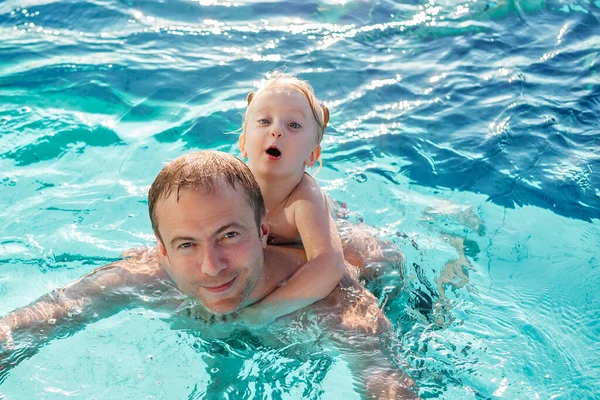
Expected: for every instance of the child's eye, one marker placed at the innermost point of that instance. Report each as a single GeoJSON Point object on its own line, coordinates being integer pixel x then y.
{"type": "Point", "coordinates": [263, 121]}
{"type": "Point", "coordinates": [294, 125]}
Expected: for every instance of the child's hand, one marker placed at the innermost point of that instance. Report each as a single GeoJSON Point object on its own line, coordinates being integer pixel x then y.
{"type": "Point", "coordinates": [200, 313]}
{"type": "Point", "coordinates": [254, 316]}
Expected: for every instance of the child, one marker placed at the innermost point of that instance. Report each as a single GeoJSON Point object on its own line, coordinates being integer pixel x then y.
{"type": "Point", "coordinates": [281, 136]}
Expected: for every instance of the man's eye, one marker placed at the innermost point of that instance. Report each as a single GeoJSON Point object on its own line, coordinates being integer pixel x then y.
{"type": "Point", "coordinates": [185, 245]}
{"type": "Point", "coordinates": [294, 125]}
{"type": "Point", "coordinates": [263, 121]}
{"type": "Point", "coordinates": [230, 235]}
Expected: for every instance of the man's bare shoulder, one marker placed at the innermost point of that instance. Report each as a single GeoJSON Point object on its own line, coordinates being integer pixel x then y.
{"type": "Point", "coordinates": [138, 267]}
{"type": "Point", "coordinates": [349, 306]}
{"type": "Point", "coordinates": [357, 308]}
{"type": "Point", "coordinates": [281, 262]}
{"type": "Point", "coordinates": [143, 264]}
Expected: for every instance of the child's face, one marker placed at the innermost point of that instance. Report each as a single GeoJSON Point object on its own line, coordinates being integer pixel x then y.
{"type": "Point", "coordinates": [280, 135]}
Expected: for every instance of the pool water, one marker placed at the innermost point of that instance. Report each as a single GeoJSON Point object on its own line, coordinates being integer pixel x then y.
{"type": "Point", "coordinates": [453, 124]}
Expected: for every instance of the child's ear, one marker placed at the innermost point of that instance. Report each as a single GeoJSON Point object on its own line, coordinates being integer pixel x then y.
{"type": "Point", "coordinates": [242, 144]}
{"type": "Point", "coordinates": [313, 156]}
{"type": "Point", "coordinates": [325, 115]}
{"type": "Point", "coordinates": [242, 138]}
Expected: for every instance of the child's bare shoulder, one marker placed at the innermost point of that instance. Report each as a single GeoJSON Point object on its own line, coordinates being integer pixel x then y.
{"type": "Point", "coordinates": [307, 193]}
{"type": "Point", "coordinates": [308, 190]}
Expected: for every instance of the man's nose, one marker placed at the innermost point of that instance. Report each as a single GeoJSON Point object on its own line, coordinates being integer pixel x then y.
{"type": "Point", "coordinates": [213, 262]}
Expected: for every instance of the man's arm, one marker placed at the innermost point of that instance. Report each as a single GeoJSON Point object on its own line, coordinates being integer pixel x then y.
{"type": "Point", "coordinates": [362, 333]}
{"type": "Point", "coordinates": [65, 310]}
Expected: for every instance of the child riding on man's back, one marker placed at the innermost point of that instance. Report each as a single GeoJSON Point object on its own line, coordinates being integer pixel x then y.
{"type": "Point", "coordinates": [281, 136]}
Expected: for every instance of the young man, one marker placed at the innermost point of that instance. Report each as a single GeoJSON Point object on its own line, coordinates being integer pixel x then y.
{"type": "Point", "coordinates": [209, 220]}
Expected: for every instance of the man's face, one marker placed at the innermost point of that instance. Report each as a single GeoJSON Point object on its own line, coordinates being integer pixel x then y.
{"type": "Point", "coordinates": [213, 247]}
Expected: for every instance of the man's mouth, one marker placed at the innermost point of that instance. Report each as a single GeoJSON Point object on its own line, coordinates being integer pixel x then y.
{"type": "Point", "coordinates": [221, 288]}
{"type": "Point", "coordinates": [273, 153]}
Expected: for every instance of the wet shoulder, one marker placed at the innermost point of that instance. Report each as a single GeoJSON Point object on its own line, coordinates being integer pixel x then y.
{"type": "Point", "coordinates": [351, 307]}
{"type": "Point", "coordinates": [308, 190]}
{"type": "Point", "coordinates": [141, 266]}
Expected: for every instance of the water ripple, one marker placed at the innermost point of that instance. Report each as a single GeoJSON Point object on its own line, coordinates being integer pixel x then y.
{"type": "Point", "coordinates": [433, 104]}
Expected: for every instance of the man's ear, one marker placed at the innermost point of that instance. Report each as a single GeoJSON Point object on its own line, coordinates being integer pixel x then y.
{"type": "Point", "coordinates": [242, 144]}
{"type": "Point", "coordinates": [162, 255]}
{"type": "Point", "coordinates": [264, 231]}
{"type": "Point", "coordinates": [160, 247]}
{"type": "Point", "coordinates": [313, 156]}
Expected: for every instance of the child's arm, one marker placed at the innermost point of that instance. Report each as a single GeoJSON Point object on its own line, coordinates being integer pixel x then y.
{"type": "Point", "coordinates": [325, 260]}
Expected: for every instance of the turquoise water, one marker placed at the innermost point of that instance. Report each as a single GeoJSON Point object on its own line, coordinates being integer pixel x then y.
{"type": "Point", "coordinates": [451, 122]}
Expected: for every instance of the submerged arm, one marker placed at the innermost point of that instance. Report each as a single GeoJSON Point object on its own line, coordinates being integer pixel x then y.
{"type": "Point", "coordinates": [325, 261]}
{"type": "Point", "coordinates": [63, 311]}
{"type": "Point", "coordinates": [363, 335]}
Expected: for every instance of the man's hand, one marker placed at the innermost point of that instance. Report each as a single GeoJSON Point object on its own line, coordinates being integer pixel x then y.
{"type": "Point", "coordinates": [6, 338]}
{"type": "Point", "coordinates": [6, 344]}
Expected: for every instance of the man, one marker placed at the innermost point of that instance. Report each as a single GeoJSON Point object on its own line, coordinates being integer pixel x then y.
{"type": "Point", "coordinates": [209, 220]}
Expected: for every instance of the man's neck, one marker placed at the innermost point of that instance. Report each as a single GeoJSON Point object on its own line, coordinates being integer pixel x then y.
{"type": "Point", "coordinates": [281, 262]}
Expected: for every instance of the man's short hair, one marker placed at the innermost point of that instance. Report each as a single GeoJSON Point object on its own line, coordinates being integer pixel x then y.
{"type": "Point", "coordinates": [204, 170]}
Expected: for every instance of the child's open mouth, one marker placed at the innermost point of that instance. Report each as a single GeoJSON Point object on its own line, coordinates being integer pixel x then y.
{"type": "Point", "coordinates": [273, 153]}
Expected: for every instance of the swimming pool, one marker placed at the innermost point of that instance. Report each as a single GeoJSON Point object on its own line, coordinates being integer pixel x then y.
{"type": "Point", "coordinates": [450, 121]}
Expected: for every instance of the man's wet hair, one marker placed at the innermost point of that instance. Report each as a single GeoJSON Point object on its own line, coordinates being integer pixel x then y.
{"type": "Point", "coordinates": [204, 170]}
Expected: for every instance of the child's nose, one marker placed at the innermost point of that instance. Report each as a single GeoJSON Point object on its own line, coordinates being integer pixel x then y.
{"type": "Point", "coordinates": [276, 132]}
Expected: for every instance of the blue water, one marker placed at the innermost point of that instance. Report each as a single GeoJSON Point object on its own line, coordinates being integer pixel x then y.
{"type": "Point", "coordinates": [466, 123]}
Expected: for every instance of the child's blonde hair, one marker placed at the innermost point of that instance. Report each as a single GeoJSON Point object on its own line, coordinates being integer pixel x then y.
{"type": "Point", "coordinates": [277, 78]}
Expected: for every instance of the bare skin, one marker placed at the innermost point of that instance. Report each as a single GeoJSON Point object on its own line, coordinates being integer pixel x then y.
{"type": "Point", "coordinates": [280, 141]}
{"type": "Point", "coordinates": [349, 315]}
{"type": "Point", "coordinates": [211, 248]}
